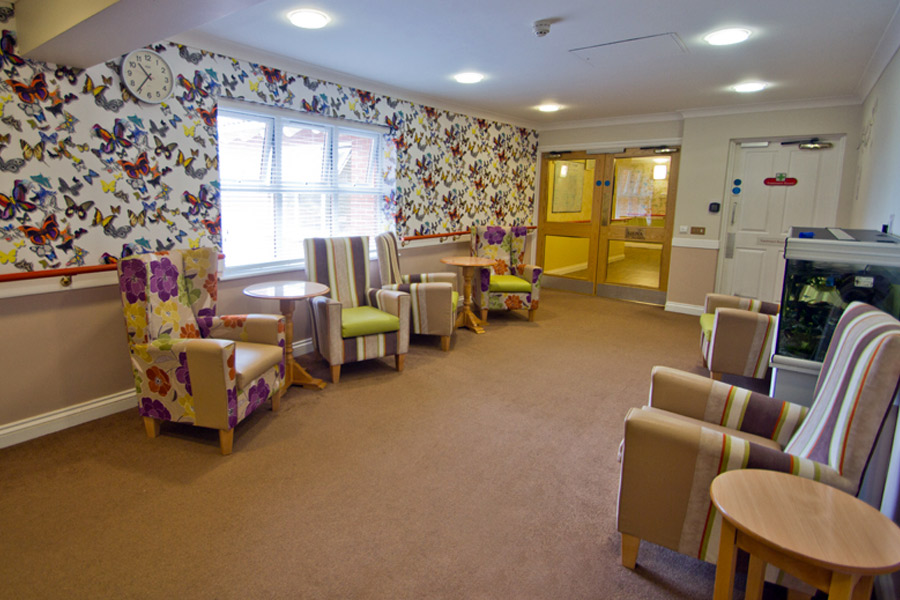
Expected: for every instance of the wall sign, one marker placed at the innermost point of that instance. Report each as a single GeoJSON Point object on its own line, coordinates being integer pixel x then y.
{"type": "Point", "coordinates": [780, 179]}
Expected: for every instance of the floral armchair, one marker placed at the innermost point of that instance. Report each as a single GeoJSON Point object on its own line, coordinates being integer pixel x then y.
{"type": "Point", "coordinates": [189, 365]}
{"type": "Point", "coordinates": [696, 428]}
{"type": "Point", "coordinates": [433, 295]}
{"type": "Point", "coordinates": [510, 284]}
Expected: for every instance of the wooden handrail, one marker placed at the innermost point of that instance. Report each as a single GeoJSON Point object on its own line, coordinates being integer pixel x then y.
{"type": "Point", "coordinates": [71, 271]}
{"type": "Point", "coordinates": [67, 272]}
{"type": "Point", "coordinates": [410, 238]}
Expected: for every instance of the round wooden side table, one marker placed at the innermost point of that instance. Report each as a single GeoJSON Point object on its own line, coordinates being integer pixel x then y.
{"type": "Point", "coordinates": [817, 533]}
{"type": "Point", "coordinates": [467, 318]}
{"type": "Point", "coordinates": [289, 292]}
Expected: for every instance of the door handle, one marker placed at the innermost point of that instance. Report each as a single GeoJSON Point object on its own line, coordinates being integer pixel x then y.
{"type": "Point", "coordinates": [733, 207]}
{"type": "Point", "coordinates": [729, 246]}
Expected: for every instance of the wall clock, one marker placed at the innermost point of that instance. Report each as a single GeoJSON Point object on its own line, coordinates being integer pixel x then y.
{"type": "Point", "coordinates": [147, 76]}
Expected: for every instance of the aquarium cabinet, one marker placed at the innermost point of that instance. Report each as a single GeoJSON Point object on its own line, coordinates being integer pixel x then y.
{"type": "Point", "coordinates": [825, 270]}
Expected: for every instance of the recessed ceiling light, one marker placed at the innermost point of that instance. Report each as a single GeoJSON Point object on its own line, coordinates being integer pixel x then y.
{"type": "Point", "coordinates": [724, 37]}
{"type": "Point", "coordinates": [308, 18]}
{"type": "Point", "coordinates": [750, 86]}
{"type": "Point", "coordinates": [469, 77]}
{"type": "Point", "coordinates": [549, 107]}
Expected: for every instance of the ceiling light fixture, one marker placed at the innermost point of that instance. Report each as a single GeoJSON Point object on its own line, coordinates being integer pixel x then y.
{"type": "Point", "coordinates": [549, 107]}
{"type": "Point", "coordinates": [726, 37]}
{"type": "Point", "coordinates": [750, 86]}
{"type": "Point", "coordinates": [307, 18]}
{"type": "Point", "coordinates": [469, 77]}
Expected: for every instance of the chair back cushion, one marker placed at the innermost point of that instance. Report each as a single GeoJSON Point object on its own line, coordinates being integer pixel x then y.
{"type": "Point", "coordinates": [492, 242]}
{"type": "Point", "coordinates": [164, 293]}
{"type": "Point", "coordinates": [853, 393]}
{"type": "Point", "coordinates": [517, 236]}
{"type": "Point", "coordinates": [342, 264]}
{"type": "Point", "coordinates": [388, 258]}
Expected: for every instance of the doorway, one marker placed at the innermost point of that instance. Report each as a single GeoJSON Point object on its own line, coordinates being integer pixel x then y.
{"type": "Point", "coordinates": [774, 185]}
{"type": "Point", "coordinates": [604, 223]}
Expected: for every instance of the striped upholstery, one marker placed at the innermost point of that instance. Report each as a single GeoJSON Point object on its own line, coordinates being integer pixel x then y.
{"type": "Point", "coordinates": [507, 247]}
{"type": "Point", "coordinates": [343, 265]}
{"type": "Point", "coordinates": [737, 335]}
{"type": "Point", "coordinates": [696, 428]}
{"type": "Point", "coordinates": [433, 296]}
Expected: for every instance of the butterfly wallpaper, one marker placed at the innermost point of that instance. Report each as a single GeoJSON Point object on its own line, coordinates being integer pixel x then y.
{"type": "Point", "coordinates": [88, 174]}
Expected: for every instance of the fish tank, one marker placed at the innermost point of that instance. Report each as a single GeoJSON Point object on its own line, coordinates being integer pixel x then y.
{"type": "Point", "coordinates": [825, 270]}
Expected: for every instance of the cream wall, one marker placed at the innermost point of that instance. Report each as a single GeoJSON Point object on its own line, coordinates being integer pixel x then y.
{"type": "Point", "coordinates": [705, 141]}
{"type": "Point", "coordinates": [878, 181]}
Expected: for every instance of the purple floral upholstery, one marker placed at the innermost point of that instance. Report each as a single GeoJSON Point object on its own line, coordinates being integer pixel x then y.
{"type": "Point", "coordinates": [510, 284]}
{"type": "Point", "coordinates": [190, 365]}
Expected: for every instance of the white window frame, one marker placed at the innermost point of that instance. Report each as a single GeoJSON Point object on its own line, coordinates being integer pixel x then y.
{"type": "Point", "coordinates": [280, 115]}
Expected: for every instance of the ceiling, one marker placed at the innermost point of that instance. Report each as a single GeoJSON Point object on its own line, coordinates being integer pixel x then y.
{"type": "Point", "coordinates": [811, 51]}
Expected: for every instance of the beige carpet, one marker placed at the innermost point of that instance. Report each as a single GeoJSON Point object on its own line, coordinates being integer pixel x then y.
{"type": "Point", "coordinates": [486, 472]}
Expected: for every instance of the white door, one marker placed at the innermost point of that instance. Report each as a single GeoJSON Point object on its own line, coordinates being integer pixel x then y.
{"type": "Point", "coordinates": [772, 187]}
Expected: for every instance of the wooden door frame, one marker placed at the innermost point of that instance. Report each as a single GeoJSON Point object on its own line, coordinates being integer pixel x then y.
{"type": "Point", "coordinates": [624, 233]}
{"type": "Point", "coordinates": [589, 230]}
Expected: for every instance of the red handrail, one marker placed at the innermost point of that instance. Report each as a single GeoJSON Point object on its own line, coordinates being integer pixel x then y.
{"type": "Point", "coordinates": [70, 271]}
{"type": "Point", "coordinates": [67, 272]}
{"type": "Point", "coordinates": [409, 238]}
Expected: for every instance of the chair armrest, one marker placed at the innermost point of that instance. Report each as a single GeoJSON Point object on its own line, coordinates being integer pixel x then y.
{"type": "Point", "coordinates": [715, 301]}
{"type": "Point", "coordinates": [395, 302]}
{"type": "Point", "coordinates": [741, 342]}
{"type": "Point", "coordinates": [718, 403]}
{"type": "Point", "coordinates": [327, 324]}
{"type": "Point", "coordinates": [667, 468]}
{"type": "Point", "coordinates": [439, 277]}
{"type": "Point", "coordinates": [193, 380]}
{"type": "Point", "coordinates": [261, 329]}
{"type": "Point", "coordinates": [531, 274]}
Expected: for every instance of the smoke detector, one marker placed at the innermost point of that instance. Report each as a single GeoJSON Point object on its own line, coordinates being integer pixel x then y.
{"type": "Point", "coordinates": [542, 27]}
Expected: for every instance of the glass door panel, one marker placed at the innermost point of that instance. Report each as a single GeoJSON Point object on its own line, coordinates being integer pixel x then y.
{"type": "Point", "coordinates": [641, 191]}
{"type": "Point", "coordinates": [634, 263]}
{"type": "Point", "coordinates": [567, 256]}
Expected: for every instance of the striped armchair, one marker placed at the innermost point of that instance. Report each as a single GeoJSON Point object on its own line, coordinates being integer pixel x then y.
{"type": "Point", "coordinates": [696, 428]}
{"type": "Point", "coordinates": [510, 284]}
{"type": "Point", "coordinates": [737, 334]}
{"type": "Point", "coordinates": [191, 366]}
{"type": "Point", "coordinates": [355, 322]}
{"type": "Point", "coordinates": [433, 296]}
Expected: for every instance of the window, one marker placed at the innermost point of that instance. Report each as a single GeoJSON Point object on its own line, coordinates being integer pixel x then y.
{"type": "Point", "coordinates": [287, 176]}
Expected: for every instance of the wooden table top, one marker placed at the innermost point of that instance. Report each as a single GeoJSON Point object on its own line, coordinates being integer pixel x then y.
{"type": "Point", "coordinates": [468, 261]}
{"type": "Point", "coordinates": [808, 520]}
{"type": "Point", "coordinates": [286, 290]}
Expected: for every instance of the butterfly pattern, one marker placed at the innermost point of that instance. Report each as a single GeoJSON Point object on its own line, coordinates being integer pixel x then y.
{"type": "Point", "coordinates": [81, 160]}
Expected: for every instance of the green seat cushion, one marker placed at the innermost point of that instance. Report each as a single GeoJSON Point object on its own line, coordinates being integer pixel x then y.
{"type": "Point", "coordinates": [454, 296]}
{"type": "Point", "coordinates": [707, 320]}
{"type": "Point", "coordinates": [509, 283]}
{"type": "Point", "coordinates": [366, 320]}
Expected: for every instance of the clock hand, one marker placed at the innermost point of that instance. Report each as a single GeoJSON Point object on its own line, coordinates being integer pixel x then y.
{"type": "Point", "coordinates": [146, 79]}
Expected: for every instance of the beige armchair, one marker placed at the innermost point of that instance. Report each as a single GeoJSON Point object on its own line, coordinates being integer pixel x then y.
{"type": "Point", "coordinates": [433, 296]}
{"type": "Point", "coordinates": [737, 335]}
{"type": "Point", "coordinates": [191, 366]}
{"type": "Point", "coordinates": [695, 428]}
{"type": "Point", "coordinates": [354, 322]}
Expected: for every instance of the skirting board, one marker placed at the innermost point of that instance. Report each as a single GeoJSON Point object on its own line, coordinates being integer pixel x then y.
{"type": "Point", "coordinates": [70, 416]}
{"type": "Point", "coordinates": [685, 309]}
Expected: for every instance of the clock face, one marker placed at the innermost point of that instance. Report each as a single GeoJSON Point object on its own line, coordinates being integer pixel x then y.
{"type": "Point", "coordinates": [147, 76]}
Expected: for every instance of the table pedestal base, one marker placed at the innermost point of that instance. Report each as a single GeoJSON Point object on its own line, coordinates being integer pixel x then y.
{"type": "Point", "coordinates": [467, 318]}
{"type": "Point", "coordinates": [297, 375]}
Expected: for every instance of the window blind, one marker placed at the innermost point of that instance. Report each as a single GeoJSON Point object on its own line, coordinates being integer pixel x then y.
{"type": "Point", "coordinates": [285, 178]}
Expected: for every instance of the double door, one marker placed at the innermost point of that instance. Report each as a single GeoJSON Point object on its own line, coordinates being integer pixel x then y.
{"type": "Point", "coordinates": [605, 222]}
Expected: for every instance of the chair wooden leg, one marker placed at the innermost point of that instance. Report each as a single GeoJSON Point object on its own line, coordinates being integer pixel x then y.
{"type": "Point", "coordinates": [445, 343]}
{"type": "Point", "coordinates": [335, 373]}
{"type": "Point", "coordinates": [715, 376]}
{"type": "Point", "coordinates": [630, 546]}
{"type": "Point", "coordinates": [226, 440]}
{"type": "Point", "coordinates": [152, 426]}
{"type": "Point", "coordinates": [484, 315]}
{"type": "Point", "coordinates": [399, 360]}
{"type": "Point", "coordinates": [276, 399]}
{"type": "Point", "coordinates": [531, 314]}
